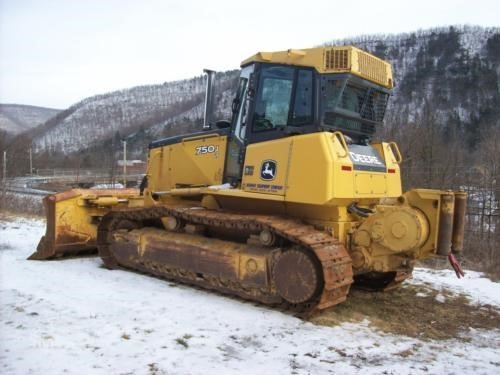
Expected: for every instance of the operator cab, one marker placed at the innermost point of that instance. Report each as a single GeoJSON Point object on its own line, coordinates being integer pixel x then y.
{"type": "Point", "coordinates": [275, 100]}
{"type": "Point", "coordinates": [298, 92]}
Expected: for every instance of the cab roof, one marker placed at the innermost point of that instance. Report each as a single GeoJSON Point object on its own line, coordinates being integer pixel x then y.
{"type": "Point", "coordinates": [343, 59]}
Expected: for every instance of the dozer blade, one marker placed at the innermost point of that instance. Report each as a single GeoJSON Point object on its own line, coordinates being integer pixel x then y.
{"type": "Point", "coordinates": [72, 218]}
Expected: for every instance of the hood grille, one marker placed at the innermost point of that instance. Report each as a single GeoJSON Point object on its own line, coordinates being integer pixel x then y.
{"type": "Point", "coordinates": [350, 59]}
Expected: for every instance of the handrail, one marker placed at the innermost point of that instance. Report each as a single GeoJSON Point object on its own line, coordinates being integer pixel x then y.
{"type": "Point", "coordinates": [343, 143]}
{"type": "Point", "coordinates": [393, 146]}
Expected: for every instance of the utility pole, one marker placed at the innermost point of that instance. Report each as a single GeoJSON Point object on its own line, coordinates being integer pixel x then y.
{"type": "Point", "coordinates": [31, 163]}
{"type": "Point", "coordinates": [4, 177]}
{"type": "Point", "coordinates": [4, 174]}
{"type": "Point", "coordinates": [124, 164]}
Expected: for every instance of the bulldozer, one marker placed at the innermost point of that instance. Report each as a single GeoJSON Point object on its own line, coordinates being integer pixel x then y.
{"type": "Point", "coordinates": [289, 203]}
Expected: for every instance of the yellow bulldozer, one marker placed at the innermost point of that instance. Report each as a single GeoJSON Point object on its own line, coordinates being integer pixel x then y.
{"type": "Point", "coordinates": [288, 204]}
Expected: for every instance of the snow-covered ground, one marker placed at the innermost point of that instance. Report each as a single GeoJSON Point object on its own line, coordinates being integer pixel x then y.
{"type": "Point", "coordinates": [76, 317]}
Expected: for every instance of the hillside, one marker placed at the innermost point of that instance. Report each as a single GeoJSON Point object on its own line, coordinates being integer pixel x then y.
{"type": "Point", "coordinates": [452, 73]}
{"type": "Point", "coordinates": [17, 118]}
{"type": "Point", "coordinates": [446, 97]}
{"type": "Point", "coordinates": [121, 113]}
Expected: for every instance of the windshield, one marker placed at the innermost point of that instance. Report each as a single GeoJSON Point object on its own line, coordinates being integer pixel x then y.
{"type": "Point", "coordinates": [351, 105]}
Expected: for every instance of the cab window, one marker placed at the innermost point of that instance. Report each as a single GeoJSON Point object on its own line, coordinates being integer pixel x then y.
{"type": "Point", "coordinates": [272, 104]}
{"type": "Point", "coordinates": [284, 97]}
{"type": "Point", "coordinates": [302, 107]}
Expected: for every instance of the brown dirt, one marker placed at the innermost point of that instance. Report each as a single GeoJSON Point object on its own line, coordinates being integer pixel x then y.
{"type": "Point", "coordinates": [403, 312]}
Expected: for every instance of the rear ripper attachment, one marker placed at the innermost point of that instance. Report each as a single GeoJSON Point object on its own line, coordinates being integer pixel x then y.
{"type": "Point", "coordinates": [272, 260]}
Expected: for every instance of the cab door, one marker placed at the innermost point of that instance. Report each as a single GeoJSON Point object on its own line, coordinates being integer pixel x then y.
{"type": "Point", "coordinates": [236, 146]}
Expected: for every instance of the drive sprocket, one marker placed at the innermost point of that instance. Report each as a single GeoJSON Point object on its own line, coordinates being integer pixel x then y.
{"type": "Point", "coordinates": [297, 276]}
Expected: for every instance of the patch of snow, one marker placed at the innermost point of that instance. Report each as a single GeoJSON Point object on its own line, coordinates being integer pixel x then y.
{"type": "Point", "coordinates": [115, 185]}
{"type": "Point", "coordinates": [480, 289]}
{"type": "Point", "coordinates": [421, 294]}
{"type": "Point", "coordinates": [76, 317]}
{"type": "Point", "coordinates": [440, 298]}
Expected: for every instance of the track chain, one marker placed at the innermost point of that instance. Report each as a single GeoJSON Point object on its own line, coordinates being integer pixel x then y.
{"type": "Point", "coordinates": [332, 257]}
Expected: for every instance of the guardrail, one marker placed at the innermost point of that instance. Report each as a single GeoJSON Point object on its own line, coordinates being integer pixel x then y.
{"type": "Point", "coordinates": [32, 184]}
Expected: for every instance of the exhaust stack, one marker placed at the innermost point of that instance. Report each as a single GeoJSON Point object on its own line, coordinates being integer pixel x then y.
{"type": "Point", "coordinates": [209, 98]}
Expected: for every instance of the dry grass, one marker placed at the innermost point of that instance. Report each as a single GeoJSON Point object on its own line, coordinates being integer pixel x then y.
{"type": "Point", "coordinates": [413, 311]}
{"type": "Point", "coordinates": [493, 272]}
{"type": "Point", "coordinates": [21, 204]}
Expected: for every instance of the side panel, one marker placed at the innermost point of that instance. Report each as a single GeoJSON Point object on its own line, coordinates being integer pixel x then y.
{"type": "Point", "coordinates": [302, 168]}
{"type": "Point", "coordinates": [193, 161]}
{"type": "Point", "coordinates": [266, 167]}
{"type": "Point", "coordinates": [393, 175]}
{"type": "Point", "coordinates": [320, 168]}
{"type": "Point", "coordinates": [315, 174]}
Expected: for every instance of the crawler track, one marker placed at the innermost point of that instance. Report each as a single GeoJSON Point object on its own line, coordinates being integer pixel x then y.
{"type": "Point", "coordinates": [315, 265]}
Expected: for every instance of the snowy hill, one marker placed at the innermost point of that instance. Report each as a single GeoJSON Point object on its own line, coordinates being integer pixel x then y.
{"type": "Point", "coordinates": [150, 107]}
{"type": "Point", "coordinates": [75, 317]}
{"type": "Point", "coordinates": [16, 118]}
{"type": "Point", "coordinates": [450, 72]}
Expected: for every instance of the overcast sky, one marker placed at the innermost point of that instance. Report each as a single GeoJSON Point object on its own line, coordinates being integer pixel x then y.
{"type": "Point", "coordinates": [54, 53]}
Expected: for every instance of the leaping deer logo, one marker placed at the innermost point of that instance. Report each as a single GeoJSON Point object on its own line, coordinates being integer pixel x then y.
{"type": "Point", "coordinates": [268, 170]}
